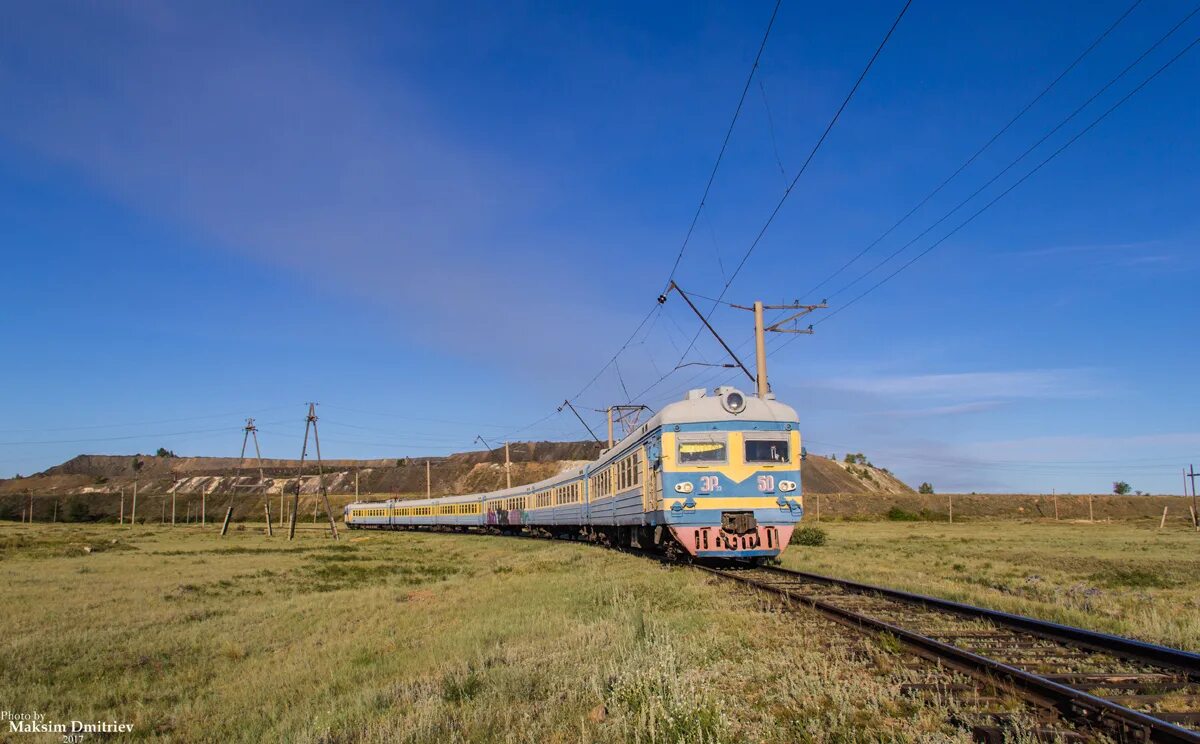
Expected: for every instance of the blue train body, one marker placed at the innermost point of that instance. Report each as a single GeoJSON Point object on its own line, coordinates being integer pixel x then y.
{"type": "Point", "coordinates": [715, 476]}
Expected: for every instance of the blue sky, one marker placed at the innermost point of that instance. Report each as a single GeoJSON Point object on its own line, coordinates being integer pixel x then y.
{"type": "Point", "coordinates": [439, 221]}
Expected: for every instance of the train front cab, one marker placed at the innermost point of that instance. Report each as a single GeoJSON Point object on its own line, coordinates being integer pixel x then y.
{"type": "Point", "coordinates": [731, 489]}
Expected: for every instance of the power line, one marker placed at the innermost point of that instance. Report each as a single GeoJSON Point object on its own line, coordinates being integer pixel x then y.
{"type": "Point", "coordinates": [724, 143]}
{"type": "Point", "coordinates": [779, 205]}
{"type": "Point", "coordinates": [703, 198]}
{"type": "Point", "coordinates": [966, 163]}
{"type": "Point", "coordinates": [122, 438]}
{"type": "Point", "coordinates": [1112, 81]}
{"type": "Point", "coordinates": [804, 167]}
{"type": "Point", "coordinates": [1017, 183]}
{"type": "Point", "coordinates": [143, 423]}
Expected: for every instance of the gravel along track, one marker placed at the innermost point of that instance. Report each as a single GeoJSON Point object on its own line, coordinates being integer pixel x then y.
{"type": "Point", "coordinates": [1083, 684]}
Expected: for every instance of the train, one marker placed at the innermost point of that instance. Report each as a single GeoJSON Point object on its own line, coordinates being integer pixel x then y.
{"type": "Point", "coordinates": [712, 476]}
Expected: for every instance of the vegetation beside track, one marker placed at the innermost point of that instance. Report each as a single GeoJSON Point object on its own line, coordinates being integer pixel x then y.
{"type": "Point", "coordinates": [1127, 578]}
{"type": "Point", "coordinates": [423, 637]}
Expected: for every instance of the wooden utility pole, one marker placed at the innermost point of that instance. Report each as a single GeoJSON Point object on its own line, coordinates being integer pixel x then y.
{"type": "Point", "coordinates": [203, 507]}
{"type": "Point", "coordinates": [1163, 522]}
{"type": "Point", "coordinates": [267, 508]}
{"type": "Point", "coordinates": [55, 517]}
{"type": "Point", "coordinates": [1056, 507]}
{"type": "Point", "coordinates": [133, 512]}
{"type": "Point", "coordinates": [950, 496]}
{"type": "Point", "coordinates": [356, 485]}
{"type": "Point", "coordinates": [507, 465]}
{"type": "Point", "coordinates": [1192, 474]}
{"type": "Point", "coordinates": [428, 481]}
{"type": "Point", "coordinates": [311, 422]}
{"type": "Point", "coordinates": [121, 518]}
{"type": "Point", "coordinates": [174, 488]}
{"type": "Point", "coordinates": [1091, 514]}
{"type": "Point", "coordinates": [225, 522]}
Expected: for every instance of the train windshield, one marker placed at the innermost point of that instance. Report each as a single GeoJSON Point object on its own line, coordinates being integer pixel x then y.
{"type": "Point", "coordinates": [767, 450]}
{"type": "Point", "coordinates": [702, 448]}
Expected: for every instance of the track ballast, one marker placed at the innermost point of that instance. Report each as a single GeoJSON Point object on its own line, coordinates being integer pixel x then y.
{"type": "Point", "coordinates": [1130, 690]}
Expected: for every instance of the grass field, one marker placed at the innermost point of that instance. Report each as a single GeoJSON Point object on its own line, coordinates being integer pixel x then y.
{"type": "Point", "coordinates": [423, 638]}
{"type": "Point", "coordinates": [1125, 577]}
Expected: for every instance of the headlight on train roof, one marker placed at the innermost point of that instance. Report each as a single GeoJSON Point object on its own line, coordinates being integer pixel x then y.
{"type": "Point", "coordinates": [684, 487]}
{"type": "Point", "coordinates": [734, 402]}
{"type": "Point", "coordinates": [787, 485]}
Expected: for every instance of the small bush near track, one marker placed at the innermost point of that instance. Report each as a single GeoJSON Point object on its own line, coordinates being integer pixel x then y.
{"type": "Point", "coordinates": [812, 536]}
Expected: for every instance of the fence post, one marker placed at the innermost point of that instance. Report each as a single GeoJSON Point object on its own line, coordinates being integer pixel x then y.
{"type": "Point", "coordinates": [267, 508]}
{"type": "Point", "coordinates": [1091, 513]}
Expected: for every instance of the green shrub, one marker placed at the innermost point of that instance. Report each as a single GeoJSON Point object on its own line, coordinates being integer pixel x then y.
{"type": "Point", "coordinates": [811, 536]}
{"type": "Point", "coordinates": [78, 511]}
{"type": "Point", "coordinates": [896, 514]}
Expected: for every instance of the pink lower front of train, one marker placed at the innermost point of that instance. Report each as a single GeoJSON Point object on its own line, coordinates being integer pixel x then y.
{"type": "Point", "coordinates": [715, 542]}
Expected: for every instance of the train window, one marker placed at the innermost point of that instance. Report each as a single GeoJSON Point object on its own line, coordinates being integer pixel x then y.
{"type": "Point", "coordinates": [702, 448]}
{"type": "Point", "coordinates": [763, 447]}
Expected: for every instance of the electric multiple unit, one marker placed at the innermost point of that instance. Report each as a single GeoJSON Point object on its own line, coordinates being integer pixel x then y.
{"type": "Point", "coordinates": [713, 476]}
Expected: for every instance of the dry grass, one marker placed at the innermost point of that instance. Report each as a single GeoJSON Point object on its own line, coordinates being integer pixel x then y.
{"type": "Point", "coordinates": [1125, 577]}
{"type": "Point", "coordinates": [414, 637]}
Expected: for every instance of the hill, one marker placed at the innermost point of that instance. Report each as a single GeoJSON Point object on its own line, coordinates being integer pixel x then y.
{"type": "Point", "coordinates": [95, 484]}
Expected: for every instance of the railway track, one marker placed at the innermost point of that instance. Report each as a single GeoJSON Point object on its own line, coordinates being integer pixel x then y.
{"type": "Point", "coordinates": [1129, 690]}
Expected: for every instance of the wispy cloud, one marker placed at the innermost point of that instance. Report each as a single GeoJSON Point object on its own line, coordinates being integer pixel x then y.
{"type": "Point", "coordinates": [974, 386]}
{"type": "Point", "coordinates": [1141, 253]}
{"type": "Point", "coordinates": [292, 149]}
{"type": "Point", "coordinates": [956, 409]}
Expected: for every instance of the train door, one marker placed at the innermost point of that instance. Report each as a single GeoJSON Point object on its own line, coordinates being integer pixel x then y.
{"type": "Point", "coordinates": [651, 477]}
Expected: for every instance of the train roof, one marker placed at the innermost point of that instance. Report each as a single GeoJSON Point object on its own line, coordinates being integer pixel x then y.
{"type": "Point", "coordinates": [698, 406]}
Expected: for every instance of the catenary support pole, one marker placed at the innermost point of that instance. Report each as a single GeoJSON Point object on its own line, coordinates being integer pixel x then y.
{"type": "Point", "coordinates": [760, 352]}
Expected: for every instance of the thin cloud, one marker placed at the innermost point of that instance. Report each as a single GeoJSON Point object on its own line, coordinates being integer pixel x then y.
{"type": "Point", "coordinates": [297, 154]}
{"type": "Point", "coordinates": [956, 409]}
{"type": "Point", "coordinates": [1147, 253]}
{"type": "Point", "coordinates": [1046, 383]}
